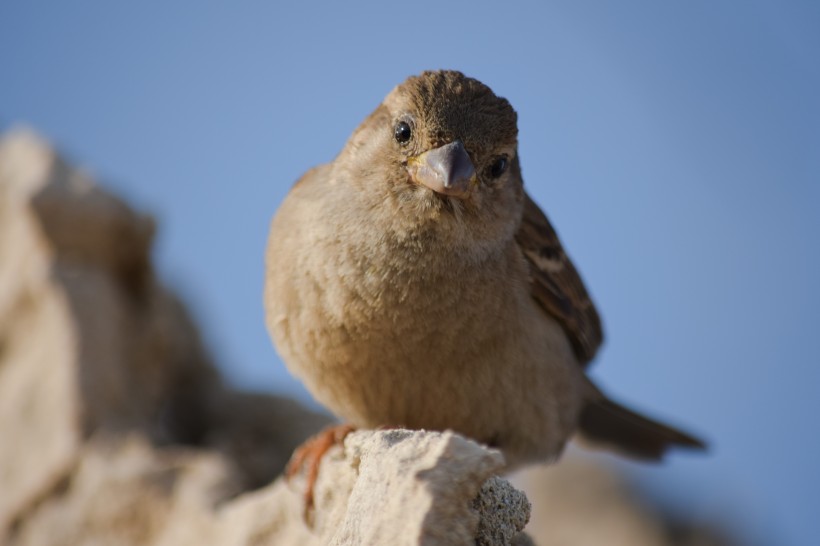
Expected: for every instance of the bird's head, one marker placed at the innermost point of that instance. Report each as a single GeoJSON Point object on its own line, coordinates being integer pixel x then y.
{"type": "Point", "coordinates": [441, 150]}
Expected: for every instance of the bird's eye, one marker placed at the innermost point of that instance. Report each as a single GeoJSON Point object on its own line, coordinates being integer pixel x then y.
{"type": "Point", "coordinates": [499, 166]}
{"type": "Point", "coordinates": [402, 132]}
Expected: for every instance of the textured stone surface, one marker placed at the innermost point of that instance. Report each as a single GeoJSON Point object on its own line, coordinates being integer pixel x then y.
{"type": "Point", "coordinates": [39, 406]}
{"type": "Point", "coordinates": [91, 342]}
{"type": "Point", "coordinates": [386, 487]}
{"type": "Point", "coordinates": [395, 487]}
{"type": "Point", "coordinates": [123, 491]}
{"type": "Point", "coordinates": [506, 510]}
{"type": "Point", "coordinates": [424, 486]}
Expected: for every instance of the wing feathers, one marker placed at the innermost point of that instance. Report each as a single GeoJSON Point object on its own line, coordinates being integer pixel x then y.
{"type": "Point", "coordinates": [556, 284]}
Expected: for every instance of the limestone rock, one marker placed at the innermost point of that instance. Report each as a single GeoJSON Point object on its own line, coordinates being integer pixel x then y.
{"type": "Point", "coordinates": [388, 487]}
{"type": "Point", "coordinates": [505, 512]}
{"type": "Point", "coordinates": [91, 342]}
{"type": "Point", "coordinates": [125, 492]}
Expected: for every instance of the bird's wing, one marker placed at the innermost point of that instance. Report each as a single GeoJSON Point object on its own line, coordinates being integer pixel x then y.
{"type": "Point", "coordinates": [555, 283]}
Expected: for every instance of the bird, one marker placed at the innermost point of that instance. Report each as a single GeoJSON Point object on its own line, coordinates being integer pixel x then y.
{"type": "Point", "coordinates": [413, 282]}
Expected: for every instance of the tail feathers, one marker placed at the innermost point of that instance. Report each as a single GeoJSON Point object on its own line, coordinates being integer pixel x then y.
{"type": "Point", "coordinates": [606, 422]}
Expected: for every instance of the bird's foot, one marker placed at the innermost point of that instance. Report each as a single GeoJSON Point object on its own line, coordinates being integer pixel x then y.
{"type": "Point", "coordinates": [309, 456]}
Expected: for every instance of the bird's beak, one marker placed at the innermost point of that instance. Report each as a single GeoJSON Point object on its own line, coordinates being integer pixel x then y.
{"type": "Point", "coordinates": [446, 170]}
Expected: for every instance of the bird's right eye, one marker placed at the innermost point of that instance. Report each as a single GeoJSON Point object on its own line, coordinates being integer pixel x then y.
{"type": "Point", "coordinates": [402, 132]}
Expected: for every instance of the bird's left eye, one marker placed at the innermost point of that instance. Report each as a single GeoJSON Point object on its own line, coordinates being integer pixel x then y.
{"type": "Point", "coordinates": [499, 166]}
{"type": "Point", "coordinates": [402, 132]}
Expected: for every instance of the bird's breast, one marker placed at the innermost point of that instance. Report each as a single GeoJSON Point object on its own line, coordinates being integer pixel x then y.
{"type": "Point", "coordinates": [407, 331]}
{"type": "Point", "coordinates": [395, 312]}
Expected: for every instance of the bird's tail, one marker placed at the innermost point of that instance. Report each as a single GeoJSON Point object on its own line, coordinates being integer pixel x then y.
{"type": "Point", "coordinates": [621, 429]}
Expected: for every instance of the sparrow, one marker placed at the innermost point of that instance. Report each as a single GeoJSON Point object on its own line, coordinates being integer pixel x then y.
{"type": "Point", "coordinates": [412, 282]}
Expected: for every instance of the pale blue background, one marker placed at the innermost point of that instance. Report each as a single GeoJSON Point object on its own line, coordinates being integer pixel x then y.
{"type": "Point", "coordinates": [675, 145]}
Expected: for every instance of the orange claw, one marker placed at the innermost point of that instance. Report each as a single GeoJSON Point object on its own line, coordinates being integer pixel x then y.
{"type": "Point", "coordinates": [310, 454]}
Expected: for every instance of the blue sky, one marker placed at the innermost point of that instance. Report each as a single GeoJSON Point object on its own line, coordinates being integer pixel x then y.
{"type": "Point", "coordinates": [676, 147]}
